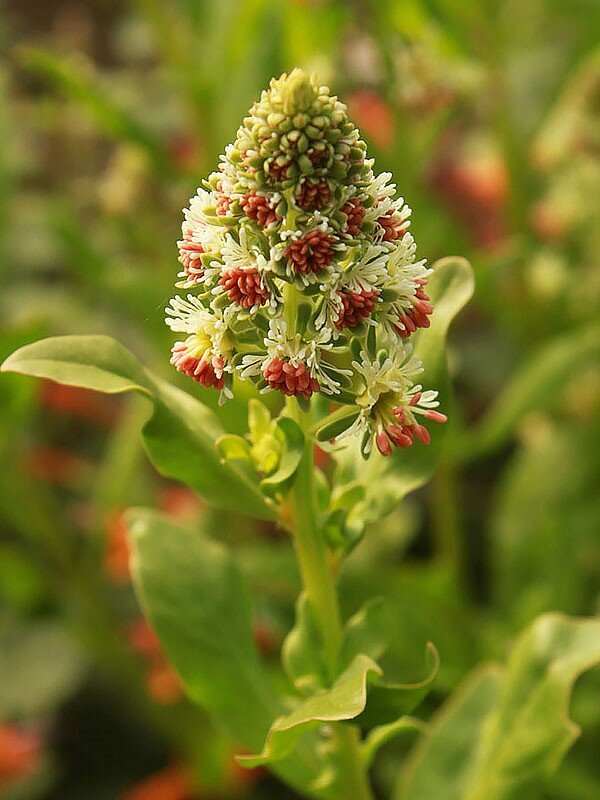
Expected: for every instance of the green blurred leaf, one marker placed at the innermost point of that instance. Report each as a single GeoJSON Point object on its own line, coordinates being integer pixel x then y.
{"type": "Point", "coordinates": [535, 386]}
{"type": "Point", "coordinates": [196, 600]}
{"type": "Point", "coordinates": [544, 524]}
{"type": "Point", "coordinates": [389, 701]}
{"type": "Point", "coordinates": [507, 731]}
{"type": "Point", "coordinates": [180, 435]}
{"type": "Point", "coordinates": [366, 632]}
{"type": "Point", "coordinates": [301, 653]}
{"type": "Point", "coordinates": [75, 77]}
{"type": "Point", "coordinates": [40, 667]}
{"type": "Point", "coordinates": [385, 733]}
{"type": "Point", "coordinates": [345, 700]}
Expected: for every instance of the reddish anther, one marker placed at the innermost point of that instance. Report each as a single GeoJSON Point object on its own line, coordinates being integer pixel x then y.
{"type": "Point", "coordinates": [393, 226]}
{"type": "Point", "coordinates": [311, 196]}
{"type": "Point", "coordinates": [190, 255]}
{"type": "Point", "coordinates": [257, 207]}
{"type": "Point", "coordinates": [383, 444]}
{"type": "Point", "coordinates": [223, 202]}
{"type": "Point", "coordinates": [245, 287]}
{"type": "Point", "coordinates": [200, 370]}
{"type": "Point", "coordinates": [435, 416]}
{"type": "Point", "coordinates": [357, 306]}
{"type": "Point", "coordinates": [417, 316]}
{"type": "Point", "coordinates": [355, 214]}
{"type": "Point", "coordinates": [292, 380]}
{"type": "Point", "coordinates": [311, 253]}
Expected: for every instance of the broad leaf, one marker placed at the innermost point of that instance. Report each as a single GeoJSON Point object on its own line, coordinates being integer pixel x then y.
{"type": "Point", "coordinates": [366, 632]}
{"type": "Point", "coordinates": [302, 651]}
{"type": "Point", "coordinates": [345, 700]}
{"type": "Point", "coordinates": [439, 766]}
{"type": "Point", "coordinates": [385, 733]}
{"type": "Point", "coordinates": [508, 731]}
{"type": "Point", "coordinates": [180, 435]}
{"type": "Point", "coordinates": [389, 701]}
{"type": "Point", "coordinates": [195, 599]}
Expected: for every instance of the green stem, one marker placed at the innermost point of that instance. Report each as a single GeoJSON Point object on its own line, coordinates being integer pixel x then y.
{"type": "Point", "coordinates": [319, 586]}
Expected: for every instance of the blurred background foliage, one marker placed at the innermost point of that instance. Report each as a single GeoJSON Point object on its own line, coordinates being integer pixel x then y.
{"type": "Point", "coordinates": [111, 113]}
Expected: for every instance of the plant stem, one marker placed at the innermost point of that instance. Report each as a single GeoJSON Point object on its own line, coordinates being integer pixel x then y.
{"type": "Point", "coordinates": [321, 595]}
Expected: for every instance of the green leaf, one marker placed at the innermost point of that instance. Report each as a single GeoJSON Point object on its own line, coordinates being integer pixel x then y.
{"type": "Point", "coordinates": [366, 632]}
{"type": "Point", "coordinates": [180, 435]}
{"type": "Point", "coordinates": [389, 701]}
{"type": "Point", "coordinates": [508, 730]}
{"type": "Point", "coordinates": [345, 700]}
{"type": "Point", "coordinates": [195, 599]}
{"type": "Point", "coordinates": [385, 733]}
{"type": "Point", "coordinates": [293, 449]}
{"type": "Point", "coordinates": [388, 480]}
{"type": "Point", "coordinates": [301, 652]}
{"type": "Point", "coordinates": [439, 765]}
{"type": "Point", "coordinates": [40, 667]}
{"type": "Point", "coordinates": [233, 448]}
{"type": "Point", "coordinates": [533, 387]}
{"type": "Point", "coordinates": [335, 424]}
{"type": "Point", "coordinates": [549, 488]}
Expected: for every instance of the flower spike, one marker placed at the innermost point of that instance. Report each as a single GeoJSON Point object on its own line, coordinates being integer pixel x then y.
{"type": "Point", "coordinates": [301, 270]}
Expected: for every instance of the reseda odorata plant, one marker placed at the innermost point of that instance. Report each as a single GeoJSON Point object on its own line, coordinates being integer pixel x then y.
{"type": "Point", "coordinates": [299, 276]}
{"type": "Point", "coordinates": [301, 272]}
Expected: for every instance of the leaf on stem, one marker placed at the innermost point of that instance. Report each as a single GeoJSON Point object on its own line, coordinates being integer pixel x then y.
{"type": "Point", "coordinates": [366, 632]}
{"type": "Point", "coordinates": [385, 733]}
{"type": "Point", "coordinates": [180, 435]}
{"type": "Point", "coordinates": [389, 701]}
{"type": "Point", "coordinates": [345, 700]}
{"type": "Point", "coordinates": [293, 449]}
{"type": "Point", "coordinates": [508, 729]}
{"type": "Point", "coordinates": [301, 653]}
{"type": "Point", "coordinates": [193, 594]}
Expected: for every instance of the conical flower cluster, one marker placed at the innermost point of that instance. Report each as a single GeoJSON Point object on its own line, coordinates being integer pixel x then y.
{"type": "Point", "coordinates": [301, 273]}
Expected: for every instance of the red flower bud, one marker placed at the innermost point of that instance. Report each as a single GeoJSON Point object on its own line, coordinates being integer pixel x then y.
{"type": "Point", "coordinates": [289, 379]}
{"type": "Point", "coordinates": [245, 287]}
{"type": "Point", "coordinates": [311, 253]}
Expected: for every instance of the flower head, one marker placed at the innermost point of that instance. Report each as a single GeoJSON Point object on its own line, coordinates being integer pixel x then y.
{"type": "Point", "coordinates": [391, 404]}
{"type": "Point", "coordinates": [300, 266]}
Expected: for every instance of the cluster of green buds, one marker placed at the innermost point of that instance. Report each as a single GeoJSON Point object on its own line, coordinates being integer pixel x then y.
{"type": "Point", "coordinates": [301, 272]}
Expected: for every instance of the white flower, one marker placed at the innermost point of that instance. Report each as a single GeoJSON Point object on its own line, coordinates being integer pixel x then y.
{"type": "Point", "coordinates": [200, 224]}
{"type": "Point", "coordinates": [200, 235]}
{"type": "Point", "coordinates": [295, 350]}
{"type": "Point", "coordinates": [405, 279]}
{"type": "Point", "coordinates": [382, 193]}
{"type": "Point", "coordinates": [369, 272]}
{"type": "Point", "coordinates": [390, 394]}
{"type": "Point", "coordinates": [241, 255]}
{"type": "Point", "coordinates": [402, 260]}
{"type": "Point", "coordinates": [208, 329]}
